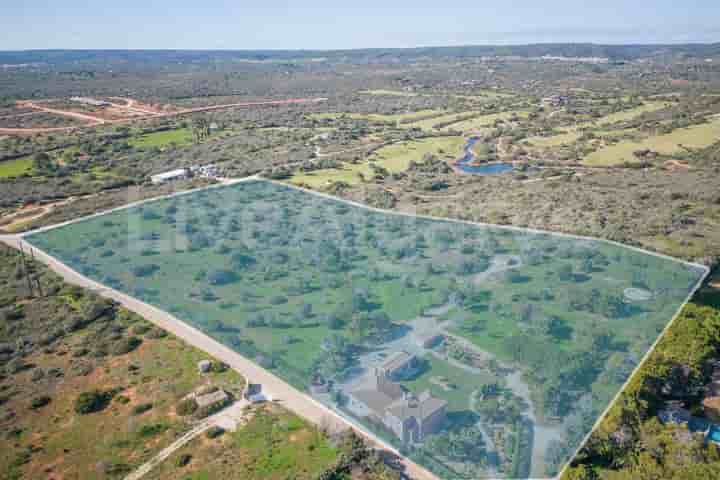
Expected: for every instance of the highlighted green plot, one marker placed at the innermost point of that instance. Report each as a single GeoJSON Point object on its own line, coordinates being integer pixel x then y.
{"type": "Point", "coordinates": [482, 352]}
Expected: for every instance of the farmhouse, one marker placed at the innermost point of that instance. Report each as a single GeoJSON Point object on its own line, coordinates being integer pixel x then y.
{"type": "Point", "coordinates": [160, 178]}
{"type": "Point", "coordinates": [400, 365]}
{"type": "Point", "coordinates": [211, 399]}
{"type": "Point", "coordinates": [410, 417]}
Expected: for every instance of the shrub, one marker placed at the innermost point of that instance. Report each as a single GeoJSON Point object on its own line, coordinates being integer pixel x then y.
{"type": "Point", "coordinates": [221, 277]}
{"type": "Point", "coordinates": [125, 345]}
{"type": "Point", "coordinates": [186, 407]}
{"type": "Point", "coordinates": [141, 329]}
{"type": "Point", "coordinates": [39, 402]}
{"type": "Point", "coordinates": [214, 431]}
{"type": "Point", "coordinates": [184, 459]}
{"type": "Point", "coordinates": [92, 401]}
{"type": "Point", "coordinates": [142, 408]}
{"type": "Point", "coordinates": [151, 429]}
{"type": "Point", "coordinates": [156, 333]}
{"type": "Point", "coordinates": [144, 270]}
{"type": "Point", "coordinates": [122, 399]}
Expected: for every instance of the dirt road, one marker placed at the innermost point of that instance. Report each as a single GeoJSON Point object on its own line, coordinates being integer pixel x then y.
{"type": "Point", "coordinates": [147, 114]}
{"type": "Point", "coordinates": [235, 413]}
{"type": "Point", "coordinates": [292, 399]}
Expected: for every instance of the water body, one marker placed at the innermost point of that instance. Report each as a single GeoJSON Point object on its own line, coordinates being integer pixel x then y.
{"type": "Point", "coordinates": [465, 163]}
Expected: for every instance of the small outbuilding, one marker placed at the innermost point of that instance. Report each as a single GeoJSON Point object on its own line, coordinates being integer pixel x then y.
{"type": "Point", "coordinates": [204, 366]}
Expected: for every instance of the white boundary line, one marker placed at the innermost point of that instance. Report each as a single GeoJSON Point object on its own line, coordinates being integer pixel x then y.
{"type": "Point", "coordinates": [704, 269]}
{"type": "Point", "coordinates": [198, 339]}
{"type": "Point", "coordinates": [650, 351]}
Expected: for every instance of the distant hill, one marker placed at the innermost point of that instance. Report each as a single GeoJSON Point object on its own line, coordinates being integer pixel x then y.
{"type": "Point", "coordinates": [375, 55]}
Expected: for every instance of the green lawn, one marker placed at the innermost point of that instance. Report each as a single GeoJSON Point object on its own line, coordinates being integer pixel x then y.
{"type": "Point", "coordinates": [13, 168]}
{"type": "Point", "coordinates": [461, 383]}
{"type": "Point", "coordinates": [180, 136]}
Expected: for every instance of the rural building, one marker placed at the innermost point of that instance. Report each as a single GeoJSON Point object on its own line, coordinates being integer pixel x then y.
{"type": "Point", "coordinates": [204, 366]}
{"type": "Point", "coordinates": [711, 401]}
{"type": "Point", "coordinates": [212, 399]}
{"type": "Point", "coordinates": [429, 340]}
{"type": "Point", "coordinates": [400, 365]}
{"type": "Point", "coordinates": [254, 394]}
{"type": "Point", "coordinates": [208, 171]}
{"type": "Point", "coordinates": [410, 417]}
{"type": "Point", "coordinates": [90, 101]}
{"type": "Point", "coordinates": [160, 178]}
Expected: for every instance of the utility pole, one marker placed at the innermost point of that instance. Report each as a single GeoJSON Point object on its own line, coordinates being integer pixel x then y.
{"type": "Point", "coordinates": [36, 275]}
{"type": "Point", "coordinates": [26, 271]}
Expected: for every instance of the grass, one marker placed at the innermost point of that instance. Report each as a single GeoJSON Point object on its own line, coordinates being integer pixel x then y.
{"type": "Point", "coordinates": [395, 158]}
{"type": "Point", "coordinates": [485, 121]}
{"type": "Point", "coordinates": [694, 137]}
{"type": "Point", "coordinates": [14, 168]}
{"type": "Point", "coordinates": [375, 117]}
{"type": "Point", "coordinates": [180, 136]}
{"type": "Point", "coordinates": [464, 383]}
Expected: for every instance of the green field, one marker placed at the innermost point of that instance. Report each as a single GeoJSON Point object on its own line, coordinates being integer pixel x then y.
{"type": "Point", "coordinates": [694, 137]}
{"type": "Point", "coordinates": [179, 136]}
{"type": "Point", "coordinates": [376, 117]}
{"type": "Point", "coordinates": [13, 168]}
{"type": "Point", "coordinates": [484, 121]}
{"type": "Point", "coordinates": [395, 158]}
{"type": "Point", "coordinates": [309, 286]}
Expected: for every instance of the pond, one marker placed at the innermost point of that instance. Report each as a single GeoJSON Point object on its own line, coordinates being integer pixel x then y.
{"type": "Point", "coordinates": [465, 164]}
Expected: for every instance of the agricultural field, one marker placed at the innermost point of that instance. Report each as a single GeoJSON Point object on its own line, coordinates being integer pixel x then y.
{"type": "Point", "coordinates": [330, 296]}
{"type": "Point", "coordinates": [179, 136]}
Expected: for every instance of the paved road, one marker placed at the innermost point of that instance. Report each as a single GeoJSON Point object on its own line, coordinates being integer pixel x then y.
{"type": "Point", "coordinates": [292, 399]}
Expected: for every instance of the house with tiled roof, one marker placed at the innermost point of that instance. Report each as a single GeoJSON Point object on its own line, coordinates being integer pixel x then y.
{"type": "Point", "coordinates": [410, 417]}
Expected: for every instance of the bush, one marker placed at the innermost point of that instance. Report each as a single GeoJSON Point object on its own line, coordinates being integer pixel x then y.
{"type": "Point", "coordinates": [156, 333]}
{"type": "Point", "coordinates": [186, 407]}
{"type": "Point", "coordinates": [125, 345]}
{"type": "Point", "coordinates": [141, 408]}
{"type": "Point", "coordinates": [141, 329]}
{"type": "Point", "coordinates": [184, 459]}
{"type": "Point", "coordinates": [122, 399]}
{"type": "Point", "coordinates": [39, 402]}
{"type": "Point", "coordinates": [92, 401]}
{"type": "Point", "coordinates": [152, 429]}
{"type": "Point", "coordinates": [214, 431]}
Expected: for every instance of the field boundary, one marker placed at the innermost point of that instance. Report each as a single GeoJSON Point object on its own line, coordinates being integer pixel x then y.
{"type": "Point", "coordinates": [194, 336]}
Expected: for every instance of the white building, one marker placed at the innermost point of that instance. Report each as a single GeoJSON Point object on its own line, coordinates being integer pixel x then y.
{"type": "Point", "coordinates": [179, 174]}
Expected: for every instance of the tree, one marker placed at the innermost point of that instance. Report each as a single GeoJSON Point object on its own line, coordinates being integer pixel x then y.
{"type": "Point", "coordinates": [92, 401]}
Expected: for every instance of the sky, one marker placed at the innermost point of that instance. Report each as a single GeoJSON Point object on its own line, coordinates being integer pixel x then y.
{"type": "Point", "coordinates": [340, 24]}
